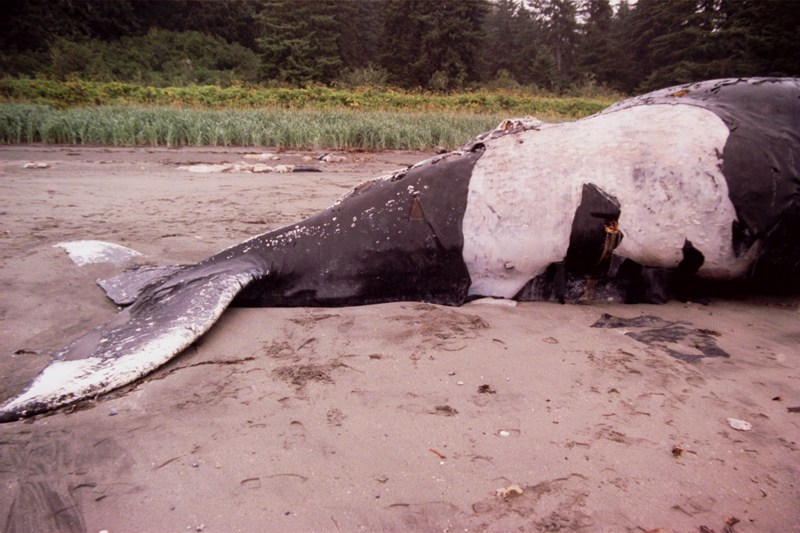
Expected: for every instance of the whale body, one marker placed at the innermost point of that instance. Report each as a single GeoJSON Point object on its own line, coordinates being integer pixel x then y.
{"type": "Point", "coordinates": [684, 186]}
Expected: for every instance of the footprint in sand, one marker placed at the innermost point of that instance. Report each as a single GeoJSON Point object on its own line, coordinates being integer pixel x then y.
{"type": "Point", "coordinates": [295, 437]}
{"type": "Point", "coordinates": [346, 325]}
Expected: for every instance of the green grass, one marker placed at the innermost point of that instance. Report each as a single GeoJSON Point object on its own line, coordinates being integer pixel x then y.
{"type": "Point", "coordinates": [283, 128]}
{"type": "Point", "coordinates": [83, 93]}
{"type": "Point", "coordinates": [120, 114]}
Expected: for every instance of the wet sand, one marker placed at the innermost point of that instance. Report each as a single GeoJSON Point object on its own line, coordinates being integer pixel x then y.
{"type": "Point", "coordinates": [393, 417]}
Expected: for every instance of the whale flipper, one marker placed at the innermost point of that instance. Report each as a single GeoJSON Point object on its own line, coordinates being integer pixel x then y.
{"type": "Point", "coordinates": [90, 252]}
{"type": "Point", "coordinates": [127, 286]}
{"type": "Point", "coordinates": [162, 322]}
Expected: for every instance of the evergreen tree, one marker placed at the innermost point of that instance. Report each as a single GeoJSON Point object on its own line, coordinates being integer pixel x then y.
{"type": "Point", "coordinates": [623, 75]}
{"type": "Point", "coordinates": [360, 30]}
{"type": "Point", "coordinates": [537, 64]}
{"type": "Point", "coordinates": [761, 38]}
{"type": "Point", "coordinates": [502, 42]}
{"type": "Point", "coordinates": [543, 70]}
{"type": "Point", "coordinates": [33, 24]}
{"type": "Point", "coordinates": [29, 24]}
{"type": "Point", "coordinates": [597, 47]}
{"type": "Point", "coordinates": [682, 46]}
{"type": "Point", "coordinates": [233, 21]}
{"type": "Point", "coordinates": [560, 26]}
{"type": "Point", "coordinates": [402, 37]}
{"type": "Point", "coordinates": [433, 44]}
{"type": "Point", "coordinates": [451, 46]}
{"type": "Point", "coordinates": [300, 41]}
{"type": "Point", "coordinates": [513, 41]}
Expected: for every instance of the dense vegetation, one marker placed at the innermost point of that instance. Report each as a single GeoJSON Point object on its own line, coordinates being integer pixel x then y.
{"type": "Point", "coordinates": [282, 128]}
{"type": "Point", "coordinates": [83, 93]}
{"type": "Point", "coordinates": [128, 114]}
{"type": "Point", "coordinates": [558, 46]}
{"type": "Point", "coordinates": [358, 73]}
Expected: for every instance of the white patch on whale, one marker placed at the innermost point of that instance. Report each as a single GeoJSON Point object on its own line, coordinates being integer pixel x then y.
{"type": "Point", "coordinates": [90, 252]}
{"type": "Point", "coordinates": [661, 162]}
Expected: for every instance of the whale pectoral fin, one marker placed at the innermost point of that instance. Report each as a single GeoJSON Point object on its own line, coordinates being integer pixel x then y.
{"type": "Point", "coordinates": [165, 320]}
{"type": "Point", "coordinates": [91, 252]}
{"type": "Point", "coordinates": [125, 287]}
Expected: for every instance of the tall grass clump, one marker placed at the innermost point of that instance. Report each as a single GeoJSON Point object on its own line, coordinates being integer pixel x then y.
{"type": "Point", "coordinates": [283, 128]}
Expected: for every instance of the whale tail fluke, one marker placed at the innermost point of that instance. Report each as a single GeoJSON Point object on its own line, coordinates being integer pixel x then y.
{"type": "Point", "coordinates": [164, 320]}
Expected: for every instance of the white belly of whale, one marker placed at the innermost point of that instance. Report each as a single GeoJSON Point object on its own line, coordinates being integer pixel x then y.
{"type": "Point", "coordinates": [661, 162]}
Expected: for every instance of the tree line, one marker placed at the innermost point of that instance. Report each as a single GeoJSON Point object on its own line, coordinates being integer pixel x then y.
{"type": "Point", "coordinates": [557, 46]}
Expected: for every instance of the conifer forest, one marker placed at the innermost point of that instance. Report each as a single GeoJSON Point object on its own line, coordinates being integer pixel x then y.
{"type": "Point", "coordinates": [558, 47]}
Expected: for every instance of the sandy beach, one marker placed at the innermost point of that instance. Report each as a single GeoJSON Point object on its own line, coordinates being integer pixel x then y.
{"type": "Point", "coordinates": [392, 417]}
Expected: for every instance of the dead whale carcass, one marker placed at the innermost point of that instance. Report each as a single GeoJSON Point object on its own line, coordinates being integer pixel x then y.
{"type": "Point", "coordinates": [699, 180]}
